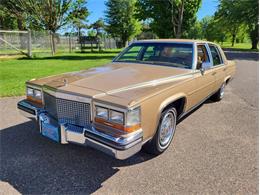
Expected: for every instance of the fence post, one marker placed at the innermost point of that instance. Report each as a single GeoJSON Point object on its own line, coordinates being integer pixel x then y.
{"type": "Point", "coordinates": [70, 44]}
{"type": "Point", "coordinates": [29, 46]}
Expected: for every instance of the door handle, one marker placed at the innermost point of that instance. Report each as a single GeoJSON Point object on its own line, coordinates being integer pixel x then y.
{"type": "Point", "coordinates": [214, 73]}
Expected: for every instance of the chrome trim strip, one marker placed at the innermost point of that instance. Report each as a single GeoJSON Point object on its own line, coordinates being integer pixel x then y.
{"type": "Point", "coordinates": [107, 106]}
{"type": "Point", "coordinates": [63, 134]}
{"type": "Point", "coordinates": [152, 83]}
{"type": "Point", "coordinates": [118, 154]}
{"type": "Point", "coordinates": [74, 137]}
{"type": "Point", "coordinates": [119, 140]}
{"type": "Point", "coordinates": [67, 96]}
{"type": "Point", "coordinates": [26, 105]}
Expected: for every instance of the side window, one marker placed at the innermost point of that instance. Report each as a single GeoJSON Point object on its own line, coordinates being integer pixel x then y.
{"type": "Point", "coordinates": [215, 55]}
{"type": "Point", "coordinates": [131, 54]}
{"type": "Point", "coordinates": [149, 53]}
{"type": "Point", "coordinates": [202, 54]}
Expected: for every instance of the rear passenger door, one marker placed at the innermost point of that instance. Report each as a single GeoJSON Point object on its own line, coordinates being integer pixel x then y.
{"type": "Point", "coordinates": [218, 66]}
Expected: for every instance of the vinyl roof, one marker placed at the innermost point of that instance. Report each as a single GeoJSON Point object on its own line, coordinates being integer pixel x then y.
{"type": "Point", "coordinates": [172, 41]}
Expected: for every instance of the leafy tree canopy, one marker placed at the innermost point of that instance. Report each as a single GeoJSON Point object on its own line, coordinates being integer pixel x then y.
{"type": "Point", "coordinates": [168, 18]}
{"type": "Point", "coordinates": [234, 14]}
{"type": "Point", "coordinates": [121, 21]}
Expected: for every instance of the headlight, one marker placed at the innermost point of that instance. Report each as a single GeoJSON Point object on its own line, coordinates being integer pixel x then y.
{"type": "Point", "coordinates": [34, 95]}
{"type": "Point", "coordinates": [37, 94]}
{"type": "Point", "coordinates": [29, 91]}
{"type": "Point", "coordinates": [102, 112]}
{"type": "Point", "coordinates": [133, 117]}
{"type": "Point", "coordinates": [117, 117]}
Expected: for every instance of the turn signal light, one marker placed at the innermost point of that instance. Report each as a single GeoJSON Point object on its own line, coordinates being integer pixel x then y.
{"type": "Point", "coordinates": [128, 129]}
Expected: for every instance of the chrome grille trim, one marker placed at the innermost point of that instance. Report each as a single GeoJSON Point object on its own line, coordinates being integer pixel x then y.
{"type": "Point", "coordinates": [68, 111]}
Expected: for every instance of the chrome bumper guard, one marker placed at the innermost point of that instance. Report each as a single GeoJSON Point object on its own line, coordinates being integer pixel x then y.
{"type": "Point", "coordinates": [118, 147]}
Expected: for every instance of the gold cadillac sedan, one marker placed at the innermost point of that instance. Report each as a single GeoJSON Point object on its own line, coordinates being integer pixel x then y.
{"type": "Point", "coordinates": [133, 102]}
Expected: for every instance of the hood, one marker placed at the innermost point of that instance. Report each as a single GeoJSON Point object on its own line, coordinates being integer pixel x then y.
{"type": "Point", "coordinates": [116, 78]}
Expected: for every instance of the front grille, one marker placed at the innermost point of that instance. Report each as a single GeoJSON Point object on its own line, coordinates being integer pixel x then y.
{"type": "Point", "coordinates": [68, 111]}
{"type": "Point", "coordinates": [50, 105]}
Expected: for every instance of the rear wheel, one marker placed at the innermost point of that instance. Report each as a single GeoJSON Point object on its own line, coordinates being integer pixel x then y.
{"type": "Point", "coordinates": [164, 134]}
{"type": "Point", "coordinates": [220, 93]}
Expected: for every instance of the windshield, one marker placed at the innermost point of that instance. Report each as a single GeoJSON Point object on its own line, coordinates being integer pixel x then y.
{"type": "Point", "coordinates": [167, 54]}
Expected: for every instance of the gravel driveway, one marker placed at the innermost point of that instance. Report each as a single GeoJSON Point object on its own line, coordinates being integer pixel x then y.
{"type": "Point", "coordinates": [215, 150]}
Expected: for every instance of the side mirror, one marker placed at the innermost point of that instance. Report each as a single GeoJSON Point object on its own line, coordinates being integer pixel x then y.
{"type": "Point", "coordinates": [204, 66]}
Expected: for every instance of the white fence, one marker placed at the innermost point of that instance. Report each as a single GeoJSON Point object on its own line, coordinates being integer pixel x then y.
{"type": "Point", "coordinates": [36, 43]}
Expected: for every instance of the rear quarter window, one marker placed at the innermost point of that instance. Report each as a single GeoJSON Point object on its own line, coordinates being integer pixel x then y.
{"type": "Point", "coordinates": [216, 56]}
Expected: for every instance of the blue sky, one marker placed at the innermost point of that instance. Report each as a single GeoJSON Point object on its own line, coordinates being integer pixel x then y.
{"type": "Point", "coordinates": [207, 8]}
{"type": "Point", "coordinates": [97, 8]}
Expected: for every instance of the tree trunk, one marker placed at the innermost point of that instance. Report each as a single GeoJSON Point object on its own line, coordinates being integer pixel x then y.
{"type": "Point", "coordinates": [79, 34]}
{"type": "Point", "coordinates": [233, 39]}
{"type": "Point", "coordinates": [124, 41]}
{"type": "Point", "coordinates": [180, 19]}
{"type": "Point", "coordinates": [172, 19]}
{"type": "Point", "coordinates": [254, 44]}
{"type": "Point", "coordinates": [53, 43]}
{"type": "Point", "coordinates": [254, 36]}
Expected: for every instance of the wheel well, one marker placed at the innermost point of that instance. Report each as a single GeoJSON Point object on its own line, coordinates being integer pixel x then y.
{"type": "Point", "coordinates": [177, 104]}
{"type": "Point", "coordinates": [227, 81]}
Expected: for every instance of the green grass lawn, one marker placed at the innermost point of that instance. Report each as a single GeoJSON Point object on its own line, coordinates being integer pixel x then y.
{"type": "Point", "coordinates": [14, 72]}
{"type": "Point", "coordinates": [238, 46]}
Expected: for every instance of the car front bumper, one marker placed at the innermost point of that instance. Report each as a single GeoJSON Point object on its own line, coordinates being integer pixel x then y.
{"type": "Point", "coordinates": [118, 147]}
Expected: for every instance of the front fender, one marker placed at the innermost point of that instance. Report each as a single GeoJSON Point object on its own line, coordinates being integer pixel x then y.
{"type": "Point", "coordinates": [170, 100]}
{"type": "Point", "coordinates": [166, 102]}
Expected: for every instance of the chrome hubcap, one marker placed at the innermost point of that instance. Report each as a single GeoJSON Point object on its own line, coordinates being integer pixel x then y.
{"type": "Point", "coordinates": [167, 129]}
{"type": "Point", "coordinates": [222, 91]}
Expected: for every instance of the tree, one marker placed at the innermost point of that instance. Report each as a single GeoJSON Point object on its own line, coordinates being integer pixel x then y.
{"type": "Point", "coordinates": [195, 32]}
{"type": "Point", "coordinates": [98, 26]}
{"type": "Point", "coordinates": [46, 14]}
{"type": "Point", "coordinates": [14, 15]}
{"type": "Point", "coordinates": [225, 16]}
{"type": "Point", "coordinates": [250, 17]}
{"type": "Point", "coordinates": [16, 10]}
{"type": "Point", "coordinates": [213, 30]}
{"type": "Point", "coordinates": [168, 18]}
{"type": "Point", "coordinates": [7, 20]}
{"type": "Point", "coordinates": [121, 21]}
{"type": "Point", "coordinates": [78, 15]}
{"type": "Point", "coordinates": [92, 33]}
{"type": "Point", "coordinates": [49, 15]}
{"type": "Point", "coordinates": [233, 14]}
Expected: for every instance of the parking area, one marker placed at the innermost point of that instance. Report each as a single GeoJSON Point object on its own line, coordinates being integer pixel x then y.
{"type": "Point", "coordinates": [215, 150]}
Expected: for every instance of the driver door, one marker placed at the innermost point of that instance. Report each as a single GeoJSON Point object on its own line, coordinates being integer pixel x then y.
{"type": "Point", "coordinates": [204, 80]}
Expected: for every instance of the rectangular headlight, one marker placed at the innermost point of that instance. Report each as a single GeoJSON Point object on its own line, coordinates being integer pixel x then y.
{"type": "Point", "coordinates": [29, 91]}
{"type": "Point", "coordinates": [34, 95]}
{"type": "Point", "coordinates": [102, 112]}
{"type": "Point", "coordinates": [37, 94]}
{"type": "Point", "coordinates": [117, 117]}
{"type": "Point", "coordinates": [133, 117]}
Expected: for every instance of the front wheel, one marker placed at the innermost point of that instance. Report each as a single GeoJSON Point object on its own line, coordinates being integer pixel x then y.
{"type": "Point", "coordinates": [219, 94]}
{"type": "Point", "coordinates": [164, 134]}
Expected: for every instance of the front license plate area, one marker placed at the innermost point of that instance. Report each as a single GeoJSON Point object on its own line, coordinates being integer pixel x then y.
{"type": "Point", "coordinates": [50, 131]}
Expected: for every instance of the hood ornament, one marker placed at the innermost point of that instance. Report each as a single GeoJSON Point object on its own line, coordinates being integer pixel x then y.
{"type": "Point", "coordinates": [65, 81]}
